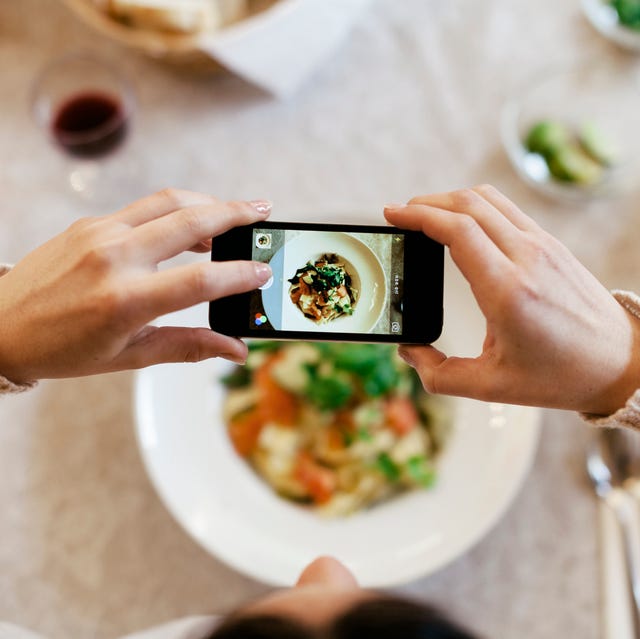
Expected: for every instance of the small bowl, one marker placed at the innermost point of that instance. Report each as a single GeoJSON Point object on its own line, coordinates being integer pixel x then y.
{"type": "Point", "coordinates": [605, 20]}
{"type": "Point", "coordinates": [606, 95]}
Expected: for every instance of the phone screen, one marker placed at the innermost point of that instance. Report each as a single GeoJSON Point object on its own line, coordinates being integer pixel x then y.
{"type": "Point", "coordinates": [329, 281]}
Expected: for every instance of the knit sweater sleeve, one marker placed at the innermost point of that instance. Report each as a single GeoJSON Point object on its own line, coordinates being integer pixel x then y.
{"type": "Point", "coordinates": [6, 385]}
{"type": "Point", "coordinates": [629, 414]}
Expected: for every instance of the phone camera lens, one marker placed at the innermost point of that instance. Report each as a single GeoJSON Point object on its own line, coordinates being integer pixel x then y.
{"type": "Point", "coordinates": [263, 240]}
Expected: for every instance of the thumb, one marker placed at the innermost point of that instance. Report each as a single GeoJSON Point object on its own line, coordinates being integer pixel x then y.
{"type": "Point", "coordinates": [159, 345]}
{"type": "Point", "coordinates": [460, 376]}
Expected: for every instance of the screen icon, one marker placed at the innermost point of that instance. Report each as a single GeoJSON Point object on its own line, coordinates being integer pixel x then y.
{"type": "Point", "coordinates": [263, 240]}
{"type": "Point", "coordinates": [260, 319]}
{"type": "Point", "coordinates": [395, 327]}
{"type": "Point", "coordinates": [267, 284]}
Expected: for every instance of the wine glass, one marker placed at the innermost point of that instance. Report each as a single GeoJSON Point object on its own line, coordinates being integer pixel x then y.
{"type": "Point", "coordinates": [85, 107]}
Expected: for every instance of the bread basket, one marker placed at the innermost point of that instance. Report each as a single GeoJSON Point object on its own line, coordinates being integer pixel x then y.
{"type": "Point", "coordinates": [184, 51]}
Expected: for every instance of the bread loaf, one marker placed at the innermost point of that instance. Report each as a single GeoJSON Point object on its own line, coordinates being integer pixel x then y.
{"type": "Point", "coordinates": [177, 16]}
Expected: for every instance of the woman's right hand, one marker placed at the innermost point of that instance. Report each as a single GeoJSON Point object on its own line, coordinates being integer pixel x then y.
{"type": "Point", "coordinates": [81, 303]}
{"type": "Point", "coordinates": [555, 336]}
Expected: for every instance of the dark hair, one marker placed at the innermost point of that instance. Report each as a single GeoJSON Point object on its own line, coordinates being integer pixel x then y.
{"type": "Point", "coordinates": [384, 617]}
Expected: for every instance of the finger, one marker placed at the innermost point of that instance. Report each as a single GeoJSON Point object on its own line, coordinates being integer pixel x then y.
{"type": "Point", "coordinates": [161, 203]}
{"type": "Point", "coordinates": [201, 247]}
{"type": "Point", "coordinates": [502, 232]}
{"type": "Point", "coordinates": [503, 204]}
{"type": "Point", "coordinates": [176, 344]}
{"type": "Point", "coordinates": [477, 257]}
{"type": "Point", "coordinates": [459, 376]}
{"type": "Point", "coordinates": [185, 286]}
{"type": "Point", "coordinates": [178, 231]}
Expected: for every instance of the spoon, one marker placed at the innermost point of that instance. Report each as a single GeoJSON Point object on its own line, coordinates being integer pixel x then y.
{"type": "Point", "coordinates": [613, 464]}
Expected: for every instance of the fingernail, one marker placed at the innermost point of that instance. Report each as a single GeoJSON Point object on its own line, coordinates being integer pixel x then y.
{"type": "Point", "coordinates": [262, 206]}
{"type": "Point", "coordinates": [394, 207]}
{"type": "Point", "coordinates": [406, 356]}
{"type": "Point", "coordinates": [263, 272]}
{"type": "Point", "coordinates": [233, 357]}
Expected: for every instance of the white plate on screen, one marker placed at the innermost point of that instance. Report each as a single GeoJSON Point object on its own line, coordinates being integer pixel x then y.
{"type": "Point", "coordinates": [227, 509]}
{"type": "Point", "coordinates": [367, 274]}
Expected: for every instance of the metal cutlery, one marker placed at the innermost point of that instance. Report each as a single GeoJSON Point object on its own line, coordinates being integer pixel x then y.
{"type": "Point", "coordinates": [613, 464]}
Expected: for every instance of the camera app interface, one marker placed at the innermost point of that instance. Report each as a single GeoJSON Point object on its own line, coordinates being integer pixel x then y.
{"type": "Point", "coordinates": [329, 281]}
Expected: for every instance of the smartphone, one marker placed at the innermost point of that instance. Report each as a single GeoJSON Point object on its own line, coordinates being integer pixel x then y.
{"type": "Point", "coordinates": [334, 282]}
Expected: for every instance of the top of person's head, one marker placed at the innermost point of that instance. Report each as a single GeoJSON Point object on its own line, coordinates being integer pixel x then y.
{"type": "Point", "coordinates": [381, 618]}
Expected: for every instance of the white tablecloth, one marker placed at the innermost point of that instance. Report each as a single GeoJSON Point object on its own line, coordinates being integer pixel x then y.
{"type": "Point", "coordinates": [408, 105]}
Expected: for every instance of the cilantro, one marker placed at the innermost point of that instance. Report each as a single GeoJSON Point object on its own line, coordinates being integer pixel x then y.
{"type": "Point", "coordinates": [371, 364]}
{"type": "Point", "coordinates": [421, 471]}
{"type": "Point", "coordinates": [347, 438]}
{"type": "Point", "coordinates": [238, 378]}
{"type": "Point", "coordinates": [264, 345]}
{"type": "Point", "coordinates": [365, 435]}
{"type": "Point", "coordinates": [333, 276]}
{"type": "Point", "coordinates": [381, 379]}
{"type": "Point", "coordinates": [388, 467]}
{"type": "Point", "coordinates": [328, 392]}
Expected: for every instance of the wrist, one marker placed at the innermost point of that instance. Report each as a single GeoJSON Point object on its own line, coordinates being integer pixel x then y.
{"type": "Point", "coordinates": [616, 395]}
{"type": "Point", "coordinates": [12, 378]}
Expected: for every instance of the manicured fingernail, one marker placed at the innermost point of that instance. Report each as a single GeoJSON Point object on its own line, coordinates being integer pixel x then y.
{"type": "Point", "coordinates": [233, 357]}
{"type": "Point", "coordinates": [262, 206]}
{"type": "Point", "coordinates": [406, 355]}
{"type": "Point", "coordinates": [394, 207]}
{"type": "Point", "coordinates": [263, 272]}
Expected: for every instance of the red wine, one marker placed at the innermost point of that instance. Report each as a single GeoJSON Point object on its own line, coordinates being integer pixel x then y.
{"type": "Point", "coordinates": [90, 124]}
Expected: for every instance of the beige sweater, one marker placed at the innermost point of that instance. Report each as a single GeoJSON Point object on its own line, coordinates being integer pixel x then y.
{"type": "Point", "coordinates": [628, 415]}
{"type": "Point", "coordinates": [6, 385]}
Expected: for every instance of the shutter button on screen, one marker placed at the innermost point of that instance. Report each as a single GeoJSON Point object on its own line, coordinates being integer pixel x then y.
{"type": "Point", "coordinates": [267, 284]}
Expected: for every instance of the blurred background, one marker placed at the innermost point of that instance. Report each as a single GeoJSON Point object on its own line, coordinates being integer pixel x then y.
{"type": "Point", "coordinates": [403, 98]}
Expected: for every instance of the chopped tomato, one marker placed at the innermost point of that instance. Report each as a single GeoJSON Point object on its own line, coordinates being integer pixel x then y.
{"type": "Point", "coordinates": [320, 482]}
{"type": "Point", "coordinates": [344, 419]}
{"type": "Point", "coordinates": [275, 404]}
{"type": "Point", "coordinates": [335, 438]}
{"type": "Point", "coordinates": [244, 431]}
{"type": "Point", "coordinates": [401, 415]}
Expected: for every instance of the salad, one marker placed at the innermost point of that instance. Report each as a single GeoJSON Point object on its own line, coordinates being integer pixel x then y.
{"type": "Point", "coordinates": [338, 427]}
{"type": "Point", "coordinates": [323, 290]}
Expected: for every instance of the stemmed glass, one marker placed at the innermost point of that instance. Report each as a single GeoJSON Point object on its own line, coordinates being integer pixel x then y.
{"type": "Point", "coordinates": [85, 107]}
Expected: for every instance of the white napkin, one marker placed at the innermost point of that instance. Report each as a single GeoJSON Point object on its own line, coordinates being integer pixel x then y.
{"type": "Point", "coordinates": [279, 48]}
{"type": "Point", "coordinates": [615, 599]}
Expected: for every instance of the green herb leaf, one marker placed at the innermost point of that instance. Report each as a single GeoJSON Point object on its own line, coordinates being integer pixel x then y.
{"type": "Point", "coordinates": [365, 435]}
{"type": "Point", "coordinates": [332, 275]}
{"type": "Point", "coordinates": [329, 393]}
{"type": "Point", "coordinates": [388, 467]}
{"type": "Point", "coordinates": [360, 358]}
{"type": "Point", "coordinates": [381, 380]}
{"type": "Point", "coordinates": [264, 345]}
{"type": "Point", "coordinates": [347, 438]}
{"type": "Point", "coordinates": [421, 471]}
{"type": "Point", "coordinates": [238, 378]}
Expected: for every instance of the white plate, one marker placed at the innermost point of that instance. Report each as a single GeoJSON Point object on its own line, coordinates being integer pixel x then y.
{"type": "Point", "coordinates": [224, 506]}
